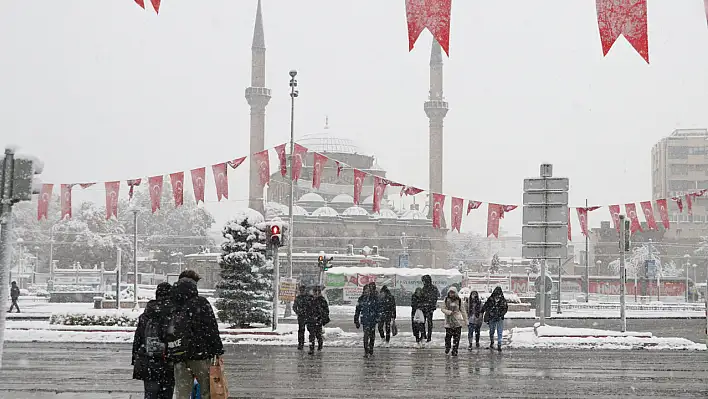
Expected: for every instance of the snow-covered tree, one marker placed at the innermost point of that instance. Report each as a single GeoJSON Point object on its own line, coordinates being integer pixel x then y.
{"type": "Point", "coordinates": [670, 270]}
{"type": "Point", "coordinates": [494, 264]}
{"type": "Point", "coordinates": [245, 292]}
{"type": "Point", "coordinates": [635, 262]}
{"type": "Point", "coordinates": [535, 266]}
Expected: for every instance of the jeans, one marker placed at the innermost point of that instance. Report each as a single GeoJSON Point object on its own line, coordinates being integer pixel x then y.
{"type": "Point", "coordinates": [428, 314]}
{"type": "Point", "coordinates": [155, 390]}
{"type": "Point", "coordinates": [300, 332]}
{"type": "Point", "coordinates": [454, 335]}
{"type": "Point", "coordinates": [418, 331]}
{"type": "Point", "coordinates": [186, 372]}
{"type": "Point", "coordinates": [497, 325]}
{"type": "Point", "coordinates": [369, 339]}
{"type": "Point", "coordinates": [387, 325]}
{"type": "Point", "coordinates": [14, 304]}
{"type": "Point", "coordinates": [473, 333]}
{"type": "Point", "coordinates": [315, 330]}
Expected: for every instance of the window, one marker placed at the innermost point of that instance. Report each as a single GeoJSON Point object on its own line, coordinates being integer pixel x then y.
{"type": "Point", "coordinates": [678, 152]}
{"type": "Point", "coordinates": [697, 150]}
{"type": "Point", "coordinates": [678, 169]}
{"type": "Point", "coordinates": [682, 185]}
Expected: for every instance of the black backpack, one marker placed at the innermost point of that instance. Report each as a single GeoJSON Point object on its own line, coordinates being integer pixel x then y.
{"type": "Point", "coordinates": [179, 334]}
{"type": "Point", "coordinates": [154, 334]}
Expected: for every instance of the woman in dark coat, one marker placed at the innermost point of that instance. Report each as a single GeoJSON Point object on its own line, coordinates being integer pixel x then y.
{"type": "Point", "coordinates": [495, 308]}
{"type": "Point", "coordinates": [367, 315]}
{"type": "Point", "coordinates": [388, 313]}
{"type": "Point", "coordinates": [418, 326]}
{"type": "Point", "coordinates": [474, 318]}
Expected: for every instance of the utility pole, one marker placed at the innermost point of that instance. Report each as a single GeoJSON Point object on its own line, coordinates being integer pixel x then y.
{"type": "Point", "coordinates": [276, 288]}
{"type": "Point", "coordinates": [293, 95]}
{"type": "Point", "coordinates": [623, 275]}
{"type": "Point", "coordinates": [135, 259]}
{"type": "Point", "coordinates": [51, 253]}
{"type": "Point", "coordinates": [118, 266]}
{"type": "Point", "coordinates": [587, 257]}
{"type": "Point", "coordinates": [560, 283]}
{"type": "Point", "coordinates": [5, 233]}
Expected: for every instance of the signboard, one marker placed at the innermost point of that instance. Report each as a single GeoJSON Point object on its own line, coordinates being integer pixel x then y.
{"type": "Point", "coordinates": [554, 213]}
{"type": "Point", "coordinates": [335, 280]}
{"type": "Point", "coordinates": [551, 183]}
{"type": "Point", "coordinates": [538, 282]}
{"type": "Point", "coordinates": [89, 280]}
{"type": "Point", "coordinates": [650, 269]}
{"type": "Point", "coordinates": [64, 280]}
{"type": "Point", "coordinates": [544, 252]}
{"type": "Point", "coordinates": [543, 198]}
{"type": "Point", "coordinates": [288, 289]}
{"type": "Point", "coordinates": [408, 284]}
{"type": "Point", "coordinates": [351, 292]}
{"type": "Point", "coordinates": [549, 234]}
{"type": "Point", "coordinates": [403, 261]}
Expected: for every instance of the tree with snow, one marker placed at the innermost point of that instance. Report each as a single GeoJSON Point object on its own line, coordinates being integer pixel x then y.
{"type": "Point", "coordinates": [494, 266]}
{"type": "Point", "coordinates": [635, 263]}
{"type": "Point", "coordinates": [245, 291]}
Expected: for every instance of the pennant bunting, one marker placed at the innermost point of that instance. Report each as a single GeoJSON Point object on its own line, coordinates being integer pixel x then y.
{"type": "Point", "coordinates": [438, 204]}
{"type": "Point", "coordinates": [570, 234]}
{"type": "Point", "coordinates": [410, 190]}
{"type": "Point", "coordinates": [614, 214]}
{"type": "Point", "coordinates": [298, 153]}
{"type": "Point", "coordinates": [155, 184]}
{"type": "Point", "coordinates": [45, 196]}
{"type": "Point", "coordinates": [156, 5]}
{"type": "Point", "coordinates": [86, 185]}
{"type": "Point", "coordinates": [66, 201]}
{"type": "Point", "coordinates": [456, 208]}
{"type": "Point", "coordinates": [663, 212]}
{"type": "Point", "coordinates": [583, 218]}
{"type": "Point", "coordinates": [221, 179]}
{"type": "Point", "coordinates": [131, 187]}
{"type": "Point", "coordinates": [112, 189]}
{"type": "Point", "coordinates": [263, 163]}
{"type": "Point", "coordinates": [631, 210]}
{"type": "Point", "coordinates": [198, 183]}
{"type": "Point", "coordinates": [280, 150]}
{"type": "Point", "coordinates": [705, 5]}
{"type": "Point", "coordinates": [433, 15]}
{"type": "Point", "coordinates": [623, 17]}
{"type": "Point", "coordinates": [648, 212]}
{"type": "Point", "coordinates": [359, 177]}
{"type": "Point", "coordinates": [494, 213]}
{"type": "Point", "coordinates": [236, 162]}
{"type": "Point", "coordinates": [379, 190]}
{"type": "Point", "coordinates": [472, 205]}
{"type": "Point", "coordinates": [679, 203]}
{"type": "Point", "coordinates": [689, 204]}
{"type": "Point", "coordinates": [318, 164]}
{"type": "Point", "coordinates": [339, 169]}
{"type": "Point", "coordinates": [507, 208]}
{"type": "Point", "coordinates": [141, 3]}
{"type": "Point", "coordinates": [177, 181]}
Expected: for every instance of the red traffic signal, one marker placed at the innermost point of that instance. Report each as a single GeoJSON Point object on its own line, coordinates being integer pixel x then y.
{"type": "Point", "coordinates": [274, 230]}
{"type": "Point", "coordinates": [275, 235]}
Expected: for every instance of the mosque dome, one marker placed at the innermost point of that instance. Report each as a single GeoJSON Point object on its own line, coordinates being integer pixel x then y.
{"type": "Point", "coordinates": [325, 211]}
{"type": "Point", "coordinates": [325, 142]}
{"type": "Point", "coordinates": [355, 211]}
{"type": "Point", "coordinates": [311, 197]}
{"type": "Point", "coordinates": [343, 199]}
{"type": "Point", "coordinates": [413, 215]}
{"type": "Point", "coordinates": [385, 214]}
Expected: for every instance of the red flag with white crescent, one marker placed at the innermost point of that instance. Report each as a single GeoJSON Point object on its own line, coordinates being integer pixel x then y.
{"type": "Point", "coordinates": [155, 184]}
{"type": "Point", "coordinates": [679, 203]}
{"type": "Point", "coordinates": [410, 190]}
{"type": "Point", "coordinates": [456, 208]}
{"type": "Point", "coordinates": [131, 187]}
{"type": "Point", "coordinates": [141, 3]}
{"type": "Point", "coordinates": [280, 150]}
{"type": "Point", "coordinates": [614, 213]}
{"type": "Point", "coordinates": [431, 14]}
{"type": "Point", "coordinates": [339, 169]}
{"type": "Point", "coordinates": [112, 189]}
{"type": "Point", "coordinates": [689, 204]}
{"type": "Point", "coordinates": [359, 177]}
{"type": "Point", "coordinates": [221, 179]}
{"type": "Point", "coordinates": [663, 212]}
{"type": "Point", "coordinates": [45, 196]}
{"type": "Point", "coordinates": [236, 162]}
{"type": "Point", "coordinates": [438, 204]}
{"type": "Point", "coordinates": [649, 215]}
{"type": "Point", "coordinates": [379, 191]}
{"type": "Point", "coordinates": [623, 17]}
{"type": "Point", "coordinates": [177, 180]}
{"type": "Point", "coordinates": [583, 218]}
{"type": "Point", "coordinates": [198, 183]}
{"type": "Point", "coordinates": [472, 205]}
{"type": "Point", "coordinates": [318, 164]}
{"type": "Point", "coordinates": [298, 153]}
{"type": "Point", "coordinates": [631, 210]}
{"type": "Point", "coordinates": [570, 234]}
{"type": "Point", "coordinates": [263, 162]}
{"type": "Point", "coordinates": [507, 208]}
{"type": "Point", "coordinates": [66, 200]}
{"type": "Point", "coordinates": [156, 5]}
{"type": "Point", "coordinates": [494, 213]}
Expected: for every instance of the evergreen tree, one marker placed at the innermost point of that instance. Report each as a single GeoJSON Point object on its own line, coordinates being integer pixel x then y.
{"type": "Point", "coordinates": [494, 267]}
{"type": "Point", "coordinates": [245, 291]}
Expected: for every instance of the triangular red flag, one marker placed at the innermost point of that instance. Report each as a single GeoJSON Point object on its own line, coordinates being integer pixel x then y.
{"type": "Point", "coordinates": [263, 162]}
{"type": "Point", "coordinates": [298, 153]}
{"type": "Point", "coordinates": [570, 234]}
{"type": "Point", "coordinates": [623, 17]}
{"type": "Point", "coordinates": [494, 214]}
{"type": "Point", "coordinates": [431, 14]}
{"type": "Point", "coordinates": [649, 214]}
{"type": "Point", "coordinates": [141, 3]}
{"type": "Point", "coordinates": [614, 213]}
{"type": "Point", "coordinates": [131, 187]}
{"type": "Point", "coordinates": [631, 210]}
{"type": "Point", "coordinates": [280, 150]}
{"type": "Point", "coordinates": [472, 205]}
{"type": "Point", "coordinates": [66, 201]}
{"type": "Point", "coordinates": [663, 212]}
{"type": "Point", "coordinates": [236, 162]}
{"type": "Point", "coordinates": [359, 177]}
{"type": "Point", "coordinates": [379, 190]}
{"type": "Point", "coordinates": [156, 6]}
{"type": "Point", "coordinates": [339, 169]}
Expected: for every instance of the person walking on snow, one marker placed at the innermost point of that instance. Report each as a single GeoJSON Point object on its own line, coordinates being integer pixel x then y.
{"type": "Point", "coordinates": [474, 317]}
{"type": "Point", "coordinates": [316, 316]}
{"type": "Point", "coordinates": [429, 303]}
{"type": "Point", "coordinates": [417, 322]}
{"type": "Point", "coordinates": [388, 313]}
{"type": "Point", "coordinates": [455, 318]}
{"type": "Point", "coordinates": [494, 310]}
{"type": "Point", "coordinates": [367, 315]}
{"type": "Point", "coordinates": [299, 307]}
{"type": "Point", "coordinates": [14, 295]}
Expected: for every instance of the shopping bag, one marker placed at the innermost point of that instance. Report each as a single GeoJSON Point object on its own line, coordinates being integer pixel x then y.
{"type": "Point", "coordinates": [217, 380]}
{"type": "Point", "coordinates": [419, 317]}
{"type": "Point", "coordinates": [394, 328]}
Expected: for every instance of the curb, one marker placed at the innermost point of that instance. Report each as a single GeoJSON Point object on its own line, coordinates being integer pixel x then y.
{"type": "Point", "coordinates": [226, 332]}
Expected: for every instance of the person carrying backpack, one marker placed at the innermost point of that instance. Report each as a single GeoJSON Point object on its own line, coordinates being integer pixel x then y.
{"type": "Point", "coordinates": [387, 314]}
{"type": "Point", "coordinates": [494, 311]}
{"type": "Point", "coordinates": [300, 307]}
{"type": "Point", "coordinates": [150, 363]}
{"type": "Point", "coordinates": [193, 337]}
{"type": "Point", "coordinates": [316, 316]}
{"type": "Point", "coordinates": [14, 295]}
{"type": "Point", "coordinates": [367, 314]}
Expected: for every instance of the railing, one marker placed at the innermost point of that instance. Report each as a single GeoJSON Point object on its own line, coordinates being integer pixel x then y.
{"type": "Point", "coordinates": [668, 307]}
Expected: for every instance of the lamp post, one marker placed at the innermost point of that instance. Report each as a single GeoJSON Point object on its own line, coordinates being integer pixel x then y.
{"type": "Point", "coordinates": [687, 257]}
{"type": "Point", "coordinates": [695, 289]}
{"type": "Point", "coordinates": [293, 95]}
{"type": "Point", "coordinates": [135, 259]}
{"type": "Point", "coordinates": [20, 241]}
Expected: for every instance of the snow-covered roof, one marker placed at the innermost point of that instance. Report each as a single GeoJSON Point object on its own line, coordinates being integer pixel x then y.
{"type": "Point", "coordinates": [325, 211]}
{"type": "Point", "coordinates": [343, 199]}
{"type": "Point", "coordinates": [385, 214]}
{"type": "Point", "coordinates": [393, 270]}
{"type": "Point", "coordinates": [326, 142]}
{"type": "Point", "coordinates": [413, 214]}
{"type": "Point", "coordinates": [355, 211]}
{"type": "Point", "coordinates": [311, 197]}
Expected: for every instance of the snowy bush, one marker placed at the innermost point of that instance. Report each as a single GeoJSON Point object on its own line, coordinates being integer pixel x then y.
{"type": "Point", "coordinates": [125, 295]}
{"type": "Point", "coordinates": [120, 319]}
{"type": "Point", "coordinates": [245, 291]}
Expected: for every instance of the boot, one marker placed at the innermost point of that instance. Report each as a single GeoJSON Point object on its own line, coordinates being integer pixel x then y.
{"type": "Point", "coordinates": [477, 344]}
{"type": "Point", "coordinates": [454, 352]}
{"type": "Point", "coordinates": [319, 346]}
{"type": "Point", "coordinates": [491, 345]}
{"type": "Point", "coordinates": [312, 349]}
{"type": "Point", "coordinates": [499, 348]}
{"type": "Point", "coordinates": [300, 347]}
{"type": "Point", "coordinates": [447, 350]}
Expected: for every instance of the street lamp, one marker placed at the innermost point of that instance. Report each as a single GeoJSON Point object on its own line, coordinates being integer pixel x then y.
{"type": "Point", "coordinates": [687, 257]}
{"type": "Point", "coordinates": [19, 259]}
{"type": "Point", "coordinates": [293, 95]}
{"type": "Point", "coordinates": [695, 290]}
{"type": "Point", "coordinates": [135, 258]}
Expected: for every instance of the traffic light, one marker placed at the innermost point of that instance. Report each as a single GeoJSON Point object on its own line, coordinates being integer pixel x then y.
{"type": "Point", "coordinates": [627, 235]}
{"type": "Point", "coordinates": [323, 261]}
{"type": "Point", "coordinates": [25, 180]}
{"type": "Point", "coordinates": [275, 236]}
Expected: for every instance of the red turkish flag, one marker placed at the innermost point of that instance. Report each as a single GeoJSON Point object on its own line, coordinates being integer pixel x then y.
{"type": "Point", "coordinates": [472, 205]}
{"type": "Point", "coordinates": [507, 208]}
{"type": "Point", "coordinates": [379, 190]}
{"type": "Point", "coordinates": [705, 5]}
{"type": "Point", "coordinates": [494, 213]}
{"type": "Point", "coordinates": [66, 200]}
{"type": "Point", "coordinates": [583, 218]}
{"type": "Point", "coordinates": [339, 169]}
{"type": "Point", "coordinates": [689, 204]}
{"type": "Point", "coordinates": [359, 177]}
{"type": "Point", "coordinates": [438, 204]}
{"type": "Point", "coordinates": [177, 180]}
{"type": "Point", "coordinates": [410, 190]}
{"type": "Point", "coordinates": [298, 153]}
{"type": "Point", "coordinates": [112, 189]}
{"type": "Point", "coordinates": [663, 212]}
{"type": "Point", "coordinates": [631, 210]}
{"type": "Point", "coordinates": [221, 179]}
{"type": "Point", "coordinates": [141, 3]}
{"type": "Point", "coordinates": [263, 163]}
{"type": "Point", "coordinates": [155, 184]}
{"type": "Point", "coordinates": [456, 208]}
{"type": "Point", "coordinates": [280, 150]}
{"type": "Point", "coordinates": [318, 165]}
{"type": "Point", "coordinates": [86, 185]}
{"type": "Point", "coordinates": [623, 17]}
{"type": "Point", "coordinates": [131, 187]}
{"type": "Point", "coordinates": [614, 213]}
{"type": "Point", "coordinates": [649, 215]}
{"type": "Point", "coordinates": [45, 196]}
{"type": "Point", "coordinates": [156, 6]}
{"type": "Point", "coordinates": [679, 203]}
{"type": "Point", "coordinates": [198, 182]}
{"type": "Point", "coordinates": [236, 162]}
{"type": "Point", "coordinates": [570, 238]}
{"type": "Point", "coordinates": [431, 14]}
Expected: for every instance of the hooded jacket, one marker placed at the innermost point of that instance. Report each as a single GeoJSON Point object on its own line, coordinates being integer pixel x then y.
{"type": "Point", "coordinates": [200, 329]}
{"type": "Point", "coordinates": [388, 304]}
{"type": "Point", "coordinates": [368, 308]}
{"type": "Point", "coordinates": [430, 296]}
{"type": "Point", "coordinates": [496, 306]}
{"type": "Point", "coordinates": [147, 368]}
{"type": "Point", "coordinates": [454, 310]}
{"type": "Point", "coordinates": [474, 309]}
{"type": "Point", "coordinates": [14, 292]}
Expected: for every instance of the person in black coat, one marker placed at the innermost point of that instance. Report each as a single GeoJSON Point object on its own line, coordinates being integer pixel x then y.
{"type": "Point", "coordinates": [195, 339]}
{"type": "Point", "coordinates": [316, 316]}
{"type": "Point", "coordinates": [388, 313]}
{"type": "Point", "coordinates": [300, 306]}
{"type": "Point", "coordinates": [14, 295]}
{"type": "Point", "coordinates": [494, 311]}
{"type": "Point", "coordinates": [429, 303]}
{"type": "Point", "coordinates": [150, 344]}
{"type": "Point", "coordinates": [367, 314]}
{"type": "Point", "coordinates": [418, 327]}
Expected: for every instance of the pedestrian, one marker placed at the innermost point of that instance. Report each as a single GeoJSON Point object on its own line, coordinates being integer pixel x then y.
{"type": "Point", "coordinates": [455, 318]}
{"type": "Point", "coordinates": [14, 295]}
{"type": "Point", "coordinates": [474, 317]}
{"type": "Point", "coordinates": [150, 363]}
{"type": "Point", "coordinates": [494, 310]}
{"type": "Point", "coordinates": [193, 336]}
{"type": "Point", "coordinates": [388, 313]}
{"type": "Point", "coordinates": [367, 315]}
{"type": "Point", "coordinates": [299, 307]}
{"type": "Point", "coordinates": [317, 315]}
{"type": "Point", "coordinates": [417, 317]}
{"type": "Point", "coordinates": [430, 295]}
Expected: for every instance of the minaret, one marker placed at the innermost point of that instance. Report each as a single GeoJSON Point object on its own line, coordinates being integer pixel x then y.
{"type": "Point", "coordinates": [436, 109]}
{"type": "Point", "coordinates": [258, 96]}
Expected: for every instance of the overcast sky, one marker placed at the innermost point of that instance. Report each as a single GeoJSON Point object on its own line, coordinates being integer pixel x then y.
{"type": "Point", "coordinates": [103, 90]}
